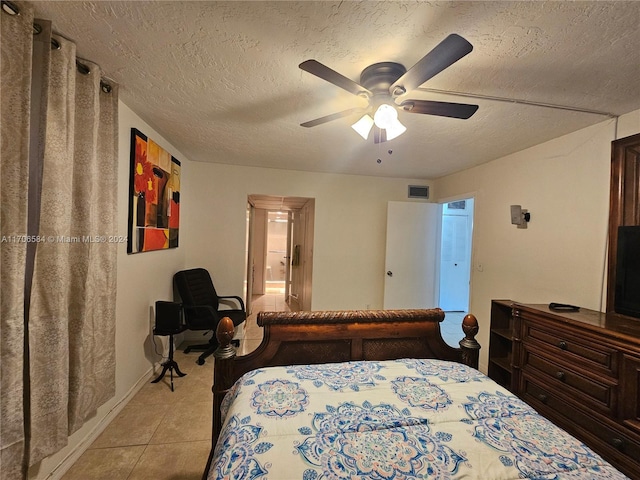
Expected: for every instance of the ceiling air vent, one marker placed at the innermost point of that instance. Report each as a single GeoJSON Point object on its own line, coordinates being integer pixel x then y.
{"type": "Point", "coordinates": [418, 191]}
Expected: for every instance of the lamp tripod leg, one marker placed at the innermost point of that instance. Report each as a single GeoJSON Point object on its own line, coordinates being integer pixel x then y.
{"type": "Point", "coordinates": [170, 365]}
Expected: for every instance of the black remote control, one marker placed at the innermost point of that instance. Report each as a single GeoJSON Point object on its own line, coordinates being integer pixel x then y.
{"type": "Point", "coordinates": [563, 307]}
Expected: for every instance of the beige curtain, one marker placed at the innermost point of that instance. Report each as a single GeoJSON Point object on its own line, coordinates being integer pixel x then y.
{"type": "Point", "coordinates": [14, 180]}
{"type": "Point", "coordinates": [70, 334]}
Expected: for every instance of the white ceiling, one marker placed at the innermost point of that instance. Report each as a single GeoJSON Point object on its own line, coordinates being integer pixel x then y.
{"type": "Point", "coordinates": [220, 80]}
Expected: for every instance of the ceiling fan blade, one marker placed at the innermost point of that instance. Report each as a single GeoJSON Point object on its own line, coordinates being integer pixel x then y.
{"type": "Point", "coordinates": [319, 70]}
{"type": "Point", "coordinates": [441, 109]}
{"type": "Point", "coordinates": [443, 55]}
{"type": "Point", "coordinates": [333, 116]}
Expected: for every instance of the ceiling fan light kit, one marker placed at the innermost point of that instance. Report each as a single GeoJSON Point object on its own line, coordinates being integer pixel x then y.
{"type": "Point", "coordinates": [385, 118]}
{"type": "Point", "coordinates": [382, 83]}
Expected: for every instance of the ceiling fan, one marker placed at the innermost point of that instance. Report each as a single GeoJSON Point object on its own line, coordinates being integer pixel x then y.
{"type": "Point", "coordinates": [383, 83]}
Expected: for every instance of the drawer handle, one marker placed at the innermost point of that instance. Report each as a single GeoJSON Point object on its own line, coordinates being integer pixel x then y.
{"type": "Point", "coordinates": [543, 398]}
{"type": "Point", "coordinates": [560, 375]}
{"type": "Point", "coordinates": [562, 345]}
{"type": "Point", "coordinates": [617, 443]}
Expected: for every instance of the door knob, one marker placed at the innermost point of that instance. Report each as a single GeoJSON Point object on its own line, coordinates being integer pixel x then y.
{"type": "Point", "coordinates": [389, 273]}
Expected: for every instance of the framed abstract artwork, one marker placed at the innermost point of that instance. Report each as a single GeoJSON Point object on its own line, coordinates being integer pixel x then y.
{"type": "Point", "coordinates": [154, 196]}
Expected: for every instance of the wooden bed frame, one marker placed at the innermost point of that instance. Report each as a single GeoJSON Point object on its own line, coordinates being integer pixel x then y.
{"type": "Point", "coordinates": [298, 338]}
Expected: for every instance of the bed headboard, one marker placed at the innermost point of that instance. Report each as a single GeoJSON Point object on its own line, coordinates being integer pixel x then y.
{"type": "Point", "coordinates": [294, 338]}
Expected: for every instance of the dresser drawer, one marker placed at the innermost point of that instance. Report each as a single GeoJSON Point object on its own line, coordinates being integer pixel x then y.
{"type": "Point", "coordinates": [571, 349]}
{"type": "Point", "coordinates": [598, 394]}
{"type": "Point", "coordinates": [614, 444]}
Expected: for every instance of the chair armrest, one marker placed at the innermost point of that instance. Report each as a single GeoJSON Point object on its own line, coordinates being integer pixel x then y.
{"type": "Point", "coordinates": [234, 297]}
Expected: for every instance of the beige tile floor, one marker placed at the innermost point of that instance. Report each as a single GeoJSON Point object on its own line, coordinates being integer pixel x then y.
{"type": "Point", "coordinates": [165, 435]}
{"type": "Point", "coordinates": [160, 434]}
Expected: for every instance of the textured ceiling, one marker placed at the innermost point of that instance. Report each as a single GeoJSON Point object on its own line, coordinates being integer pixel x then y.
{"type": "Point", "coordinates": [220, 80]}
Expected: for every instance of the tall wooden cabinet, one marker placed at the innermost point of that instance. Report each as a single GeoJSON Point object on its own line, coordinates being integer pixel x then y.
{"type": "Point", "coordinates": [581, 370]}
{"type": "Point", "coordinates": [624, 202]}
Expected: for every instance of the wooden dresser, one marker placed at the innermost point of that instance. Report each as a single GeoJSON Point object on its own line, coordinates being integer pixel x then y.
{"type": "Point", "coordinates": [581, 370]}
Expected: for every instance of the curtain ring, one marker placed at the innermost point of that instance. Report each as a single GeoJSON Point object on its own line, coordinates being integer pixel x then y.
{"type": "Point", "coordinates": [55, 44]}
{"type": "Point", "coordinates": [10, 8]}
{"type": "Point", "coordinates": [37, 29]}
{"type": "Point", "coordinates": [106, 88]}
{"type": "Point", "coordinates": [82, 68]}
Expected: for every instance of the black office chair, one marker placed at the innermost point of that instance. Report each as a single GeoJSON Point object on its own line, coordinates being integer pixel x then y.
{"type": "Point", "coordinates": [201, 306]}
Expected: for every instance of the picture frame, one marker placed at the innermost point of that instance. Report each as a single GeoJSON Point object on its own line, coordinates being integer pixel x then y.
{"type": "Point", "coordinates": [154, 196]}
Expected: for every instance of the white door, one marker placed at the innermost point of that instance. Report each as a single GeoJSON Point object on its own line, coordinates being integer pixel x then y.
{"type": "Point", "coordinates": [454, 266]}
{"type": "Point", "coordinates": [455, 255]}
{"type": "Point", "coordinates": [413, 231]}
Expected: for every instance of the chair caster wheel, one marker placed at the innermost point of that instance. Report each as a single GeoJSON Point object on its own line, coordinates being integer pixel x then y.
{"type": "Point", "coordinates": [200, 361]}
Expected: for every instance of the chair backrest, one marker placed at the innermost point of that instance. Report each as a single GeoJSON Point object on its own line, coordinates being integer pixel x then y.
{"type": "Point", "coordinates": [196, 288]}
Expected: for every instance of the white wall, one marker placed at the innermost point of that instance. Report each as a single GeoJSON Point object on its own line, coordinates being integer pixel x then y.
{"type": "Point", "coordinates": [349, 232]}
{"type": "Point", "coordinates": [560, 257]}
{"type": "Point", "coordinates": [143, 278]}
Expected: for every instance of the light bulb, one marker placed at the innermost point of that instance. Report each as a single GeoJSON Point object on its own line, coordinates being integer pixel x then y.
{"type": "Point", "coordinates": [385, 116]}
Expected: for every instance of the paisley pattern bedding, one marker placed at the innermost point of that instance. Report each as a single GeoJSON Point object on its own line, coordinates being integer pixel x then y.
{"type": "Point", "coordinates": [390, 420]}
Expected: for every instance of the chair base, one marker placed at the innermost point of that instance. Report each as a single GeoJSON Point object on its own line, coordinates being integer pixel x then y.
{"type": "Point", "coordinates": [203, 346]}
{"type": "Point", "coordinates": [208, 348]}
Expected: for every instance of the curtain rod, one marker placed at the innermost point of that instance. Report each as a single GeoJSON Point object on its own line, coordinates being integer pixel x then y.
{"type": "Point", "coordinates": [515, 100]}
{"type": "Point", "coordinates": [12, 9]}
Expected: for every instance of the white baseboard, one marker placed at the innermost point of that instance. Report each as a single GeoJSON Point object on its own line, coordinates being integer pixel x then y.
{"type": "Point", "coordinates": [68, 461]}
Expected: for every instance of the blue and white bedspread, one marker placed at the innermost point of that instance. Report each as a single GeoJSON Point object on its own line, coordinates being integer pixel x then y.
{"type": "Point", "coordinates": [401, 419]}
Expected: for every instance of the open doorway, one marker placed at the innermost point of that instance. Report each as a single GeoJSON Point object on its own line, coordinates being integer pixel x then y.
{"type": "Point", "coordinates": [279, 253]}
{"type": "Point", "coordinates": [428, 259]}
{"type": "Point", "coordinates": [276, 262]}
{"type": "Point", "coordinates": [455, 263]}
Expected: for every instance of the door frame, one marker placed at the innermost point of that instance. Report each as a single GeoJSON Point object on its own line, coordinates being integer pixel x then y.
{"type": "Point", "coordinates": [249, 275]}
{"type": "Point", "coordinates": [301, 205]}
{"type": "Point", "coordinates": [287, 265]}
